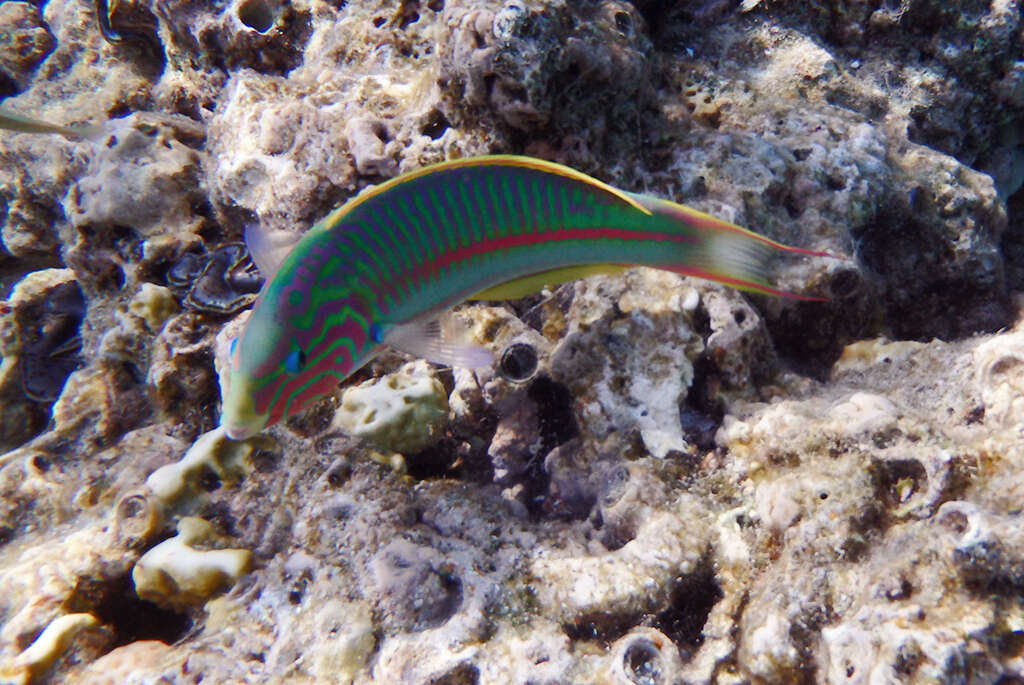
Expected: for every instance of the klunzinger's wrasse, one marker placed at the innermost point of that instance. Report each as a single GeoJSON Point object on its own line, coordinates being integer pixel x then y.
{"type": "Point", "coordinates": [382, 268]}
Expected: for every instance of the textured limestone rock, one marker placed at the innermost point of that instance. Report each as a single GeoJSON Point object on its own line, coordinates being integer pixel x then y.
{"type": "Point", "coordinates": [633, 578]}
{"type": "Point", "coordinates": [634, 333]}
{"type": "Point", "coordinates": [212, 454]}
{"type": "Point", "coordinates": [48, 647]}
{"type": "Point", "coordinates": [25, 41]}
{"type": "Point", "coordinates": [405, 411]}
{"type": "Point", "coordinates": [132, 165]}
{"type": "Point", "coordinates": [178, 573]}
{"type": "Point", "coordinates": [38, 334]}
{"type": "Point", "coordinates": [547, 65]}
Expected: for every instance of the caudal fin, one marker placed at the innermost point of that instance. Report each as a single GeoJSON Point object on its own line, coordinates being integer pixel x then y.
{"type": "Point", "coordinates": [725, 252]}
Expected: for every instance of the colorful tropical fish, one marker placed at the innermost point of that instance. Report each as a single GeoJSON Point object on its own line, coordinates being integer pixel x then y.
{"type": "Point", "coordinates": [381, 269]}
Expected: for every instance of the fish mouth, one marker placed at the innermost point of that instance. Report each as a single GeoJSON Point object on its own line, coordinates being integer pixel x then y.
{"type": "Point", "coordinates": [237, 418]}
{"type": "Point", "coordinates": [243, 429]}
{"type": "Point", "coordinates": [239, 432]}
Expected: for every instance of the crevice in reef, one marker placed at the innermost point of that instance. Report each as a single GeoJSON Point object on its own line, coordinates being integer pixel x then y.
{"type": "Point", "coordinates": [115, 603]}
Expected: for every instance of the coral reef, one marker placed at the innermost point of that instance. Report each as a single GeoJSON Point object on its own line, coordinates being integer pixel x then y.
{"type": "Point", "coordinates": [658, 481]}
{"type": "Point", "coordinates": [405, 411]}
{"type": "Point", "coordinates": [24, 42]}
{"type": "Point", "coordinates": [176, 574]}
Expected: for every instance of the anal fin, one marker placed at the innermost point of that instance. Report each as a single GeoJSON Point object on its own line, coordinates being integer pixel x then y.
{"type": "Point", "coordinates": [528, 285]}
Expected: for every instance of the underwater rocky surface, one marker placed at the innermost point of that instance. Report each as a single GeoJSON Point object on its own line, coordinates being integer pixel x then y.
{"type": "Point", "coordinates": [659, 481]}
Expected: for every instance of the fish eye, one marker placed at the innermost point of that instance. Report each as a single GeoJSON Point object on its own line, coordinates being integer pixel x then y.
{"type": "Point", "coordinates": [295, 361]}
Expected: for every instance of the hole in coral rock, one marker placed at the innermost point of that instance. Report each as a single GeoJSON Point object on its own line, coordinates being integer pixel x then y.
{"type": "Point", "coordinates": [515, 91]}
{"type": "Point", "coordinates": [909, 657]}
{"type": "Point", "coordinates": [339, 473]}
{"type": "Point", "coordinates": [536, 485]}
{"type": "Point", "coordinates": [490, 81]}
{"type": "Point", "coordinates": [208, 480]}
{"type": "Point", "coordinates": [557, 424]}
{"type": "Point", "coordinates": [605, 627]}
{"type": "Point", "coordinates": [298, 589]}
{"type": "Point", "coordinates": [379, 21]}
{"type": "Point", "coordinates": [219, 515]}
{"type": "Point", "coordinates": [1012, 246]}
{"type": "Point", "coordinates": [702, 413]}
{"type": "Point", "coordinates": [835, 181]}
{"type": "Point", "coordinates": [436, 5]}
{"type": "Point", "coordinates": [408, 13]}
{"type": "Point", "coordinates": [435, 125]}
{"type": "Point", "coordinates": [463, 674]}
{"type": "Point", "coordinates": [265, 459]}
{"type": "Point", "coordinates": [615, 535]}
{"type": "Point", "coordinates": [623, 21]}
{"type": "Point", "coordinates": [569, 499]}
{"type": "Point", "coordinates": [642, 663]}
{"type": "Point", "coordinates": [51, 348]}
{"type": "Point", "coordinates": [456, 458]}
{"type": "Point", "coordinates": [8, 86]}
{"type": "Point", "coordinates": [40, 463]}
{"type": "Point", "coordinates": [118, 110]}
{"type": "Point", "coordinates": [257, 15]}
{"type": "Point", "coordinates": [437, 461]}
{"type": "Point", "coordinates": [896, 481]}
{"type": "Point", "coordinates": [845, 284]}
{"type": "Point", "coordinates": [381, 131]}
{"type": "Point", "coordinates": [314, 420]}
{"type": "Point", "coordinates": [555, 413]}
{"type": "Point", "coordinates": [114, 603]}
{"type": "Point", "coordinates": [518, 362]}
{"type": "Point", "coordinates": [690, 603]}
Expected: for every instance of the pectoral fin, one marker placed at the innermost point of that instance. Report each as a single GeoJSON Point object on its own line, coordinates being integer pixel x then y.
{"type": "Point", "coordinates": [269, 248]}
{"type": "Point", "coordinates": [438, 339]}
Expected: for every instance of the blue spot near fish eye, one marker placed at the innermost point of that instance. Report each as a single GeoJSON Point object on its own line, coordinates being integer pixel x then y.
{"type": "Point", "coordinates": [295, 361]}
{"type": "Point", "coordinates": [376, 333]}
{"type": "Point", "coordinates": [231, 347]}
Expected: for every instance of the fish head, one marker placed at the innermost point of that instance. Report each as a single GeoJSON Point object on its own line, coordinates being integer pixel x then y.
{"type": "Point", "coordinates": [295, 349]}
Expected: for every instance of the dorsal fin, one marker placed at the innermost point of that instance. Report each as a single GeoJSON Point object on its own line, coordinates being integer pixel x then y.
{"type": "Point", "coordinates": [482, 161]}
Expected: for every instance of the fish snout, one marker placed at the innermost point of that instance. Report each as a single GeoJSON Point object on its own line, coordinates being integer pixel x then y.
{"type": "Point", "coordinates": [239, 432]}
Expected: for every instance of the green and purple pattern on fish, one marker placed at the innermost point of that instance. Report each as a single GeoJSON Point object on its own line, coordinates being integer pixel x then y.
{"type": "Point", "coordinates": [428, 240]}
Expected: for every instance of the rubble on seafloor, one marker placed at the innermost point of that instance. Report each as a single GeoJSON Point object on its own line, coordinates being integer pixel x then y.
{"type": "Point", "coordinates": [659, 480]}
